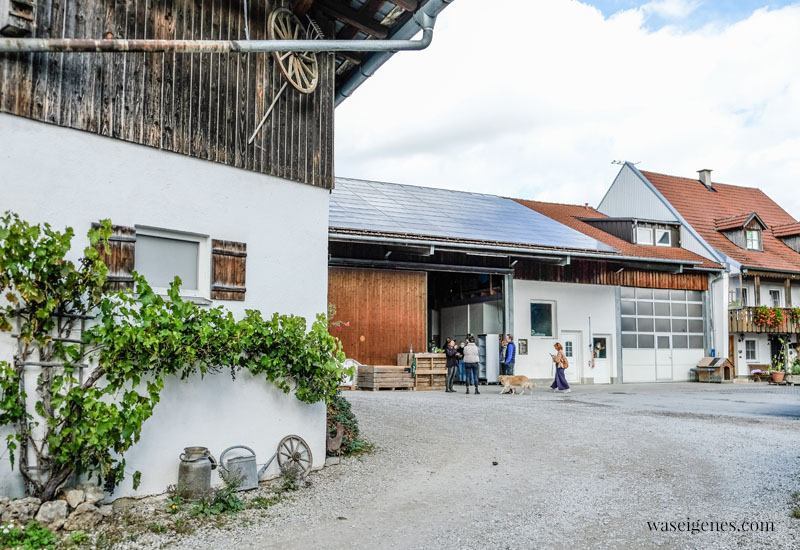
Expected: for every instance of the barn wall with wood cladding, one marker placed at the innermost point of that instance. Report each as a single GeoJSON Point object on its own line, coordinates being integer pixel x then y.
{"type": "Point", "coordinates": [602, 273]}
{"type": "Point", "coordinates": [386, 311]}
{"type": "Point", "coordinates": [201, 105]}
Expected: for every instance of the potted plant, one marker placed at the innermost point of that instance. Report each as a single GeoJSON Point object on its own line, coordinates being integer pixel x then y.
{"type": "Point", "coordinates": [793, 376]}
{"type": "Point", "coordinates": [776, 368]}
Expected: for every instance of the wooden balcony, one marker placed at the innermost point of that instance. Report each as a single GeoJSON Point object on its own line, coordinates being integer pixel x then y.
{"type": "Point", "coordinates": [740, 319]}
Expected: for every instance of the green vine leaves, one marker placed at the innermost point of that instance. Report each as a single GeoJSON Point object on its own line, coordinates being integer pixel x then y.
{"type": "Point", "coordinates": [137, 340]}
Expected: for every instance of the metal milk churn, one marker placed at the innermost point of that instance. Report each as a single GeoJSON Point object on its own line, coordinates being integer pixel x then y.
{"type": "Point", "coordinates": [194, 472]}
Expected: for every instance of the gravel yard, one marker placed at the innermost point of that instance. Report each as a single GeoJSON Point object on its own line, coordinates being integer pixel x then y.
{"type": "Point", "coordinates": [582, 470]}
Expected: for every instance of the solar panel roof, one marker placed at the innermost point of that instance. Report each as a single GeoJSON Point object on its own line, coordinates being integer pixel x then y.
{"type": "Point", "coordinates": [427, 212]}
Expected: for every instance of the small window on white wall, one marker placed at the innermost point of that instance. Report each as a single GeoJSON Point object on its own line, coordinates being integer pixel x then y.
{"type": "Point", "coordinates": [775, 298]}
{"type": "Point", "coordinates": [162, 255]}
{"type": "Point", "coordinates": [750, 350]}
{"type": "Point", "coordinates": [644, 235]}
{"type": "Point", "coordinates": [542, 322]}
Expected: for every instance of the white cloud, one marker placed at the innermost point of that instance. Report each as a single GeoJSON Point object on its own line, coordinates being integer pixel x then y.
{"type": "Point", "coordinates": [534, 99]}
{"type": "Point", "coordinates": [671, 9]}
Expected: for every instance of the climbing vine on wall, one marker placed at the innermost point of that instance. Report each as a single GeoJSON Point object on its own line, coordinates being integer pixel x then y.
{"type": "Point", "coordinates": [97, 388]}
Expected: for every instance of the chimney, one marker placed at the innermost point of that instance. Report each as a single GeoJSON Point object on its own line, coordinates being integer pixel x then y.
{"type": "Point", "coordinates": [705, 177]}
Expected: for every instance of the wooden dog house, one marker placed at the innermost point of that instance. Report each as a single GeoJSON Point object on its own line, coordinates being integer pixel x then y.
{"type": "Point", "coordinates": [713, 369]}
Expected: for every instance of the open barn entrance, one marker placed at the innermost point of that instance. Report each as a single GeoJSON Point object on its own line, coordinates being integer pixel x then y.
{"type": "Point", "coordinates": [381, 313]}
{"type": "Point", "coordinates": [460, 304]}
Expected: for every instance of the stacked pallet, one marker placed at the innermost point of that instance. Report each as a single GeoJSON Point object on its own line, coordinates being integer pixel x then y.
{"type": "Point", "coordinates": [431, 370]}
{"type": "Point", "coordinates": [384, 377]}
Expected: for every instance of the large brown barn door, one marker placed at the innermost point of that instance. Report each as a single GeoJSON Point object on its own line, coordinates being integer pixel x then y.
{"type": "Point", "coordinates": [386, 311]}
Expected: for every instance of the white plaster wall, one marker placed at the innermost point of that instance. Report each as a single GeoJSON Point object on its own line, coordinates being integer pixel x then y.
{"type": "Point", "coordinates": [574, 304]}
{"type": "Point", "coordinates": [218, 412]}
{"type": "Point", "coordinates": [72, 178]}
{"type": "Point", "coordinates": [763, 353]}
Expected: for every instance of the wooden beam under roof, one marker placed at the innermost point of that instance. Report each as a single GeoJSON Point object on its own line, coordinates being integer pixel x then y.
{"type": "Point", "coordinates": [369, 9]}
{"type": "Point", "coordinates": [408, 5]}
{"type": "Point", "coordinates": [357, 19]}
{"type": "Point", "coordinates": [301, 7]}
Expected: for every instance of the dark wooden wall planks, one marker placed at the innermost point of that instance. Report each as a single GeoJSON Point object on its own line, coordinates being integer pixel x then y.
{"type": "Point", "coordinates": [601, 273]}
{"type": "Point", "coordinates": [387, 308]}
{"type": "Point", "coordinates": [201, 105]}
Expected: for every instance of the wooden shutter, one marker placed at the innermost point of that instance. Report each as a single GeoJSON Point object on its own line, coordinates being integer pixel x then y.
{"type": "Point", "coordinates": [120, 257]}
{"type": "Point", "coordinates": [228, 270]}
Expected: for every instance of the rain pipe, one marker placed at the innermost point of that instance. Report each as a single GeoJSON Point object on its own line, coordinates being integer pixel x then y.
{"type": "Point", "coordinates": [431, 9]}
{"type": "Point", "coordinates": [421, 20]}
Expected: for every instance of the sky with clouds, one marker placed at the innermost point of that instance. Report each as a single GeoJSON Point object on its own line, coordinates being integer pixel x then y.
{"type": "Point", "coordinates": [534, 99]}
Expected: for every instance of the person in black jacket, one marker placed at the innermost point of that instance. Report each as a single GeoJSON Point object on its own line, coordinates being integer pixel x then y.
{"type": "Point", "coordinates": [452, 364]}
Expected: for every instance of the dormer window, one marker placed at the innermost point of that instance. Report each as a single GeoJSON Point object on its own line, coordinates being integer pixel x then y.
{"type": "Point", "coordinates": [663, 237]}
{"type": "Point", "coordinates": [644, 235]}
{"type": "Point", "coordinates": [753, 239]}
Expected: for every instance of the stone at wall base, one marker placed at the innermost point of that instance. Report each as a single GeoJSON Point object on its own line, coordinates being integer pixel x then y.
{"type": "Point", "coordinates": [84, 518]}
{"type": "Point", "coordinates": [52, 514]}
{"type": "Point", "coordinates": [332, 460]}
{"type": "Point", "coordinates": [21, 510]}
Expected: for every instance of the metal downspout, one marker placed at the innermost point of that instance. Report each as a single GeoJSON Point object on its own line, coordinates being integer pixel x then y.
{"type": "Point", "coordinates": [422, 20]}
{"type": "Point", "coordinates": [407, 31]}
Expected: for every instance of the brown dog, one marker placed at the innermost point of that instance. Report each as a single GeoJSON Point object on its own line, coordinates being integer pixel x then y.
{"type": "Point", "coordinates": [510, 383]}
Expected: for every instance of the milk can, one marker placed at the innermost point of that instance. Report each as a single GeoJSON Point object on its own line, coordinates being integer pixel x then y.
{"type": "Point", "coordinates": [194, 472]}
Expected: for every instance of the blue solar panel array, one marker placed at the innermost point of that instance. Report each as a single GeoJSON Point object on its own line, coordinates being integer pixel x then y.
{"type": "Point", "coordinates": [427, 212]}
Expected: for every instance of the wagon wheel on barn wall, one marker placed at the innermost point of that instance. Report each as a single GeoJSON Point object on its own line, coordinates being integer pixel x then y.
{"type": "Point", "coordinates": [300, 69]}
{"type": "Point", "coordinates": [294, 454]}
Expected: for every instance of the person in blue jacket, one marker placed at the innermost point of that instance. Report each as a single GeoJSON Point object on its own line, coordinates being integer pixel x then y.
{"type": "Point", "coordinates": [511, 356]}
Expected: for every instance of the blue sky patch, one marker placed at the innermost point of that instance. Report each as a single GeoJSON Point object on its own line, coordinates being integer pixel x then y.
{"type": "Point", "coordinates": [687, 14]}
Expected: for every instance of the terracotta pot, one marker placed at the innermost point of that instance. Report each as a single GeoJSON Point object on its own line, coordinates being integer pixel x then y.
{"type": "Point", "coordinates": [777, 376]}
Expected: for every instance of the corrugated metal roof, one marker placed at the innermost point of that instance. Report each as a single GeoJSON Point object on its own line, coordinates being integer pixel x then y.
{"type": "Point", "coordinates": [423, 211]}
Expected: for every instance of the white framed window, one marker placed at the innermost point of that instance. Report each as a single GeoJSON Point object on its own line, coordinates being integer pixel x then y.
{"type": "Point", "coordinates": [775, 298]}
{"type": "Point", "coordinates": [161, 255]}
{"type": "Point", "coordinates": [750, 350]}
{"type": "Point", "coordinates": [644, 235]}
{"type": "Point", "coordinates": [543, 319]}
{"type": "Point", "coordinates": [663, 237]}
{"type": "Point", "coordinates": [745, 299]}
{"type": "Point", "coordinates": [568, 351]}
{"type": "Point", "coordinates": [753, 239]}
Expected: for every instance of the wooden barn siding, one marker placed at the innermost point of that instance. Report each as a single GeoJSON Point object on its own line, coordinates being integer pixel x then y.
{"type": "Point", "coordinates": [598, 273]}
{"type": "Point", "coordinates": [388, 308]}
{"type": "Point", "coordinates": [202, 105]}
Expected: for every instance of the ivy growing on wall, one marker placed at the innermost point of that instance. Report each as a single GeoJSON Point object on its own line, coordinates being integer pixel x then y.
{"type": "Point", "coordinates": [95, 390]}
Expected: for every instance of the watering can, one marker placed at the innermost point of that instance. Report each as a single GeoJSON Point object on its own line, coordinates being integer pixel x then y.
{"type": "Point", "coordinates": [242, 468]}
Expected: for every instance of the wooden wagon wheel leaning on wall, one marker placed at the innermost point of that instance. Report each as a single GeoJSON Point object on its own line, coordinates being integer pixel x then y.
{"type": "Point", "coordinates": [300, 69]}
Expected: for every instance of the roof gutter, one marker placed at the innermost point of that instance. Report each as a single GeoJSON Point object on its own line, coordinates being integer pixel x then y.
{"type": "Point", "coordinates": [430, 10]}
{"type": "Point", "coordinates": [423, 20]}
{"type": "Point", "coordinates": [511, 250]}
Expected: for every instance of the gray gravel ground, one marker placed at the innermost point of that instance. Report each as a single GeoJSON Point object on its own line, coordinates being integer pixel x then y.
{"type": "Point", "coordinates": [587, 469]}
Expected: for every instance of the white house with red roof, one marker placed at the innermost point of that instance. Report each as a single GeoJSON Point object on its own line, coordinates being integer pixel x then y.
{"type": "Point", "coordinates": [741, 228]}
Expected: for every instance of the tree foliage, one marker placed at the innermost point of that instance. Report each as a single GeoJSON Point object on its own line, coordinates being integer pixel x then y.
{"type": "Point", "coordinates": [91, 407]}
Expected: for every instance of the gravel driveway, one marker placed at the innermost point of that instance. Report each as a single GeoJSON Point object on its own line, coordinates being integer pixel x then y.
{"type": "Point", "coordinates": [582, 470]}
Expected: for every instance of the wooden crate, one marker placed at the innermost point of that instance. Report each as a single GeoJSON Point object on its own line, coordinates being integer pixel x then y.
{"type": "Point", "coordinates": [384, 377]}
{"type": "Point", "coordinates": [423, 360]}
{"type": "Point", "coordinates": [431, 370]}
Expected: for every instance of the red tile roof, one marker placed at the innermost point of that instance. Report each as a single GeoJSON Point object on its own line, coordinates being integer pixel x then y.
{"type": "Point", "coordinates": [569, 214]}
{"type": "Point", "coordinates": [788, 230]}
{"type": "Point", "coordinates": [735, 222]}
{"type": "Point", "coordinates": [700, 207]}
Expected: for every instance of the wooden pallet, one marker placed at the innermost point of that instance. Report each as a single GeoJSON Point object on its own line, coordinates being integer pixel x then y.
{"type": "Point", "coordinates": [430, 379]}
{"type": "Point", "coordinates": [431, 373]}
{"type": "Point", "coordinates": [384, 377]}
